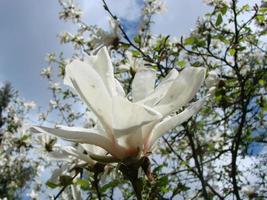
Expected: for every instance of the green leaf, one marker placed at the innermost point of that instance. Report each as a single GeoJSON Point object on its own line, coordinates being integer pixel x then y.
{"type": "Point", "coordinates": [24, 137]}
{"type": "Point", "coordinates": [263, 10]}
{"type": "Point", "coordinates": [136, 54]}
{"type": "Point", "coordinates": [189, 41]}
{"type": "Point", "coordinates": [224, 9]}
{"type": "Point", "coordinates": [219, 20]}
{"type": "Point", "coordinates": [245, 7]}
{"type": "Point", "coordinates": [218, 98]}
{"type": "Point", "coordinates": [197, 64]}
{"type": "Point", "coordinates": [242, 48]}
{"type": "Point", "coordinates": [125, 46]}
{"type": "Point", "coordinates": [265, 107]}
{"type": "Point", "coordinates": [232, 51]}
{"type": "Point", "coordinates": [261, 82]}
{"type": "Point", "coordinates": [65, 180]}
{"type": "Point", "coordinates": [84, 184]}
{"type": "Point", "coordinates": [51, 184]}
{"type": "Point", "coordinates": [137, 39]}
{"type": "Point", "coordinates": [163, 181]}
{"type": "Point", "coordinates": [109, 185]}
{"type": "Point", "coordinates": [260, 18]}
{"type": "Point", "coordinates": [181, 63]}
{"type": "Point", "coordinates": [158, 168]}
{"type": "Point", "coordinates": [201, 43]}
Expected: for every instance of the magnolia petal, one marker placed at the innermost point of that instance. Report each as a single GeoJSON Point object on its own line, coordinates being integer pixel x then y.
{"type": "Point", "coordinates": [133, 142]}
{"type": "Point", "coordinates": [172, 122]}
{"type": "Point", "coordinates": [92, 149]}
{"type": "Point", "coordinates": [92, 90]}
{"type": "Point", "coordinates": [143, 84]}
{"type": "Point", "coordinates": [128, 116]}
{"type": "Point", "coordinates": [104, 159]}
{"type": "Point", "coordinates": [183, 89]}
{"type": "Point", "coordinates": [59, 154]}
{"type": "Point", "coordinates": [80, 129]}
{"type": "Point", "coordinates": [102, 64]}
{"type": "Point", "coordinates": [89, 137]}
{"type": "Point", "coordinates": [54, 178]}
{"type": "Point", "coordinates": [119, 89]}
{"type": "Point", "coordinates": [161, 89]}
{"type": "Point", "coordinates": [146, 132]}
{"type": "Point", "coordinates": [77, 154]}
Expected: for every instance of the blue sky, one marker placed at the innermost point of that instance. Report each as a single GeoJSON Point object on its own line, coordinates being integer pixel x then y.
{"type": "Point", "coordinates": [29, 31]}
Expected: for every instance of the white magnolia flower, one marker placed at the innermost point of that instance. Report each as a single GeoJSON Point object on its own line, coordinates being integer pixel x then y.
{"type": "Point", "coordinates": [127, 129]}
{"type": "Point", "coordinates": [104, 38]}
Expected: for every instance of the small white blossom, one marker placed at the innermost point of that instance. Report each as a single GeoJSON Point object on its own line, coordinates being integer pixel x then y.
{"type": "Point", "coordinates": [33, 195]}
{"type": "Point", "coordinates": [132, 63]}
{"type": "Point", "coordinates": [212, 79]}
{"type": "Point", "coordinates": [46, 72]}
{"type": "Point", "coordinates": [65, 37]}
{"type": "Point", "coordinates": [154, 7]}
{"type": "Point", "coordinates": [103, 38]}
{"type": "Point", "coordinates": [42, 116]}
{"type": "Point", "coordinates": [30, 105]}
{"type": "Point", "coordinates": [51, 57]}
{"type": "Point", "coordinates": [55, 86]}
{"type": "Point", "coordinates": [216, 2]}
{"type": "Point", "coordinates": [71, 11]}
{"type": "Point", "coordinates": [53, 103]}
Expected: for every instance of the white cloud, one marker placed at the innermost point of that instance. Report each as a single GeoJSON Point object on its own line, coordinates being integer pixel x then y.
{"type": "Point", "coordinates": [180, 18]}
{"type": "Point", "coordinates": [95, 14]}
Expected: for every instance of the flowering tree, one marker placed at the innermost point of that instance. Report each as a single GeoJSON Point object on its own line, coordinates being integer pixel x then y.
{"type": "Point", "coordinates": [16, 167]}
{"type": "Point", "coordinates": [176, 119]}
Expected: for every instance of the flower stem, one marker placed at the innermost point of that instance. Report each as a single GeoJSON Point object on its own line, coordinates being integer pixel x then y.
{"type": "Point", "coordinates": [130, 172]}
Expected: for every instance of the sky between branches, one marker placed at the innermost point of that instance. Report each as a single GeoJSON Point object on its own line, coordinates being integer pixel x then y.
{"type": "Point", "coordinates": [29, 31]}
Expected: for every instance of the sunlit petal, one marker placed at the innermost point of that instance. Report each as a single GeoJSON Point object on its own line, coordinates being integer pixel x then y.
{"type": "Point", "coordinates": [172, 122]}
{"type": "Point", "coordinates": [119, 88]}
{"type": "Point", "coordinates": [102, 64]}
{"type": "Point", "coordinates": [183, 89]}
{"type": "Point", "coordinates": [128, 116]}
{"type": "Point", "coordinates": [143, 84]}
{"type": "Point", "coordinates": [92, 90]}
{"type": "Point", "coordinates": [161, 90]}
{"type": "Point", "coordinates": [90, 137]}
{"type": "Point", "coordinates": [77, 154]}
